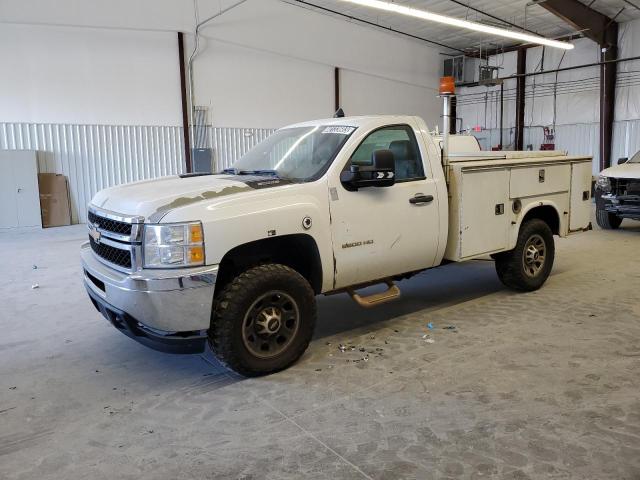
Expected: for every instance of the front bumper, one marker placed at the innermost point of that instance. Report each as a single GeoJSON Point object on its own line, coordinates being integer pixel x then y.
{"type": "Point", "coordinates": [168, 310]}
{"type": "Point", "coordinates": [624, 206]}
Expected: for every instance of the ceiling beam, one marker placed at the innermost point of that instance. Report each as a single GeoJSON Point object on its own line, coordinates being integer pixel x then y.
{"type": "Point", "coordinates": [592, 24]}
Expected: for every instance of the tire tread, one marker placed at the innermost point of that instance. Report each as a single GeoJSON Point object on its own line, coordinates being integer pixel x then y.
{"type": "Point", "coordinates": [509, 264]}
{"type": "Point", "coordinates": [606, 220]}
{"type": "Point", "coordinates": [228, 305]}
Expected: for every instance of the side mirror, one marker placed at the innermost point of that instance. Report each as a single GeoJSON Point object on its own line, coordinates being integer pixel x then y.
{"type": "Point", "coordinates": [381, 174]}
{"type": "Point", "coordinates": [623, 160]}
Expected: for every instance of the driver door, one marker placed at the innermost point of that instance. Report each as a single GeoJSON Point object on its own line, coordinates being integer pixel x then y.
{"type": "Point", "coordinates": [378, 232]}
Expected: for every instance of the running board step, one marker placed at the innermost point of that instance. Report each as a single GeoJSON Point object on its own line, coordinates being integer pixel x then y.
{"type": "Point", "coordinates": [376, 299]}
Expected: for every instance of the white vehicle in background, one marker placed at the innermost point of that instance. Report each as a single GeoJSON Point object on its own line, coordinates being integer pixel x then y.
{"type": "Point", "coordinates": [618, 193]}
{"type": "Point", "coordinates": [321, 207]}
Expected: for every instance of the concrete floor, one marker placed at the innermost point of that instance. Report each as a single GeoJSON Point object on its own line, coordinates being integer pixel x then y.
{"type": "Point", "coordinates": [539, 385]}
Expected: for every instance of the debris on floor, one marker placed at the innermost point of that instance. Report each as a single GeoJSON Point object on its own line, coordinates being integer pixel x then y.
{"type": "Point", "coordinates": [34, 286]}
{"type": "Point", "coordinates": [368, 351]}
{"type": "Point", "coordinates": [35, 267]}
{"type": "Point", "coordinates": [427, 338]}
{"type": "Point", "coordinates": [430, 326]}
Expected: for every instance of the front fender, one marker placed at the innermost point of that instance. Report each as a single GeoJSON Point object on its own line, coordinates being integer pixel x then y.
{"type": "Point", "coordinates": [265, 214]}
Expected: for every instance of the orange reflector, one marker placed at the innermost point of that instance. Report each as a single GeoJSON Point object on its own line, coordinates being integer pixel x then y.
{"type": "Point", "coordinates": [196, 254]}
{"type": "Point", "coordinates": [447, 86]}
{"type": "Point", "coordinates": [196, 233]}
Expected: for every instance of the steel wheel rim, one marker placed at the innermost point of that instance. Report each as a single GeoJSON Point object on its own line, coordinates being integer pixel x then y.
{"type": "Point", "coordinates": [534, 255]}
{"type": "Point", "coordinates": [270, 324]}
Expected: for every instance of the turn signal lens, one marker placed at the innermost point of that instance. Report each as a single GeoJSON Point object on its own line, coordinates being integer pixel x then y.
{"type": "Point", "coordinates": [196, 255]}
{"type": "Point", "coordinates": [195, 232]}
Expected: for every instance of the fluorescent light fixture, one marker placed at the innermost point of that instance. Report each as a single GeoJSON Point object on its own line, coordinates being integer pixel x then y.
{"type": "Point", "coordinates": [456, 22]}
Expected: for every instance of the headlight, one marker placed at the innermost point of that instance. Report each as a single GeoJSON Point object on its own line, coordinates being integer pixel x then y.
{"type": "Point", "coordinates": [173, 245]}
{"type": "Point", "coordinates": [604, 184]}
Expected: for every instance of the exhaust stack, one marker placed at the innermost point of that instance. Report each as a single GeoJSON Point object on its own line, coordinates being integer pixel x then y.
{"type": "Point", "coordinates": [447, 90]}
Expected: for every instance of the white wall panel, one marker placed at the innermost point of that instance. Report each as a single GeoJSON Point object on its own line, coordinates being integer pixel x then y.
{"type": "Point", "coordinates": [266, 64]}
{"type": "Point", "coordinates": [88, 76]}
{"type": "Point", "coordinates": [628, 91]}
{"type": "Point", "coordinates": [579, 105]}
{"type": "Point", "coordinates": [245, 87]}
{"type": "Point", "coordinates": [364, 94]}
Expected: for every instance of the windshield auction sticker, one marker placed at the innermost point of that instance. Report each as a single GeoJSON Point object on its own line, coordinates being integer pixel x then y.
{"type": "Point", "coordinates": [339, 130]}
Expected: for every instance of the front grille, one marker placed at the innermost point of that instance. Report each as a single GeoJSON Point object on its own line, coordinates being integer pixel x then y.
{"type": "Point", "coordinates": [111, 254]}
{"type": "Point", "coordinates": [120, 228]}
{"type": "Point", "coordinates": [625, 186]}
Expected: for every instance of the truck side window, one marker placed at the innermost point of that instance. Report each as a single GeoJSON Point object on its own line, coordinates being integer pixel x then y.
{"type": "Point", "coordinates": [402, 142]}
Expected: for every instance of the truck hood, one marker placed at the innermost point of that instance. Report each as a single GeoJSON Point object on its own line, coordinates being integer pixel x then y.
{"type": "Point", "coordinates": [626, 170]}
{"type": "Point", "coordinates": [153, 199]}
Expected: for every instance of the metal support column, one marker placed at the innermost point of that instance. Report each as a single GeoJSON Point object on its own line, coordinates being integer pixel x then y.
{"type": "Point", "coordinates": [336, 88]}
{"type": "Point", "coordinates": [185, 108]}
{"type": "Point", "coordinates": [501, 116]}
{"type": "Point", "coordinates": [521, 68]}
{"type": "Point", "coordinates": [608, 75]}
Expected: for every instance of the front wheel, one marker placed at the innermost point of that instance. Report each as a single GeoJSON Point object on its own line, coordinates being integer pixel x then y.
{"type": "Point", "coordinates": [527, 267]}
{"type": "Point", "coordinates": [606, 220]}
{"type": "Point", "coordinates": [263, 320]}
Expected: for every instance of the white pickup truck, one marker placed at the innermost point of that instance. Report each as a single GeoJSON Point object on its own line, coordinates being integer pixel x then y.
{"type": "Point", "coordinates": [329, 206]}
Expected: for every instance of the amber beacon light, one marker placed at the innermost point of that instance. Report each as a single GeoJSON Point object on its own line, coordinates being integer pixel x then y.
{"type": "Point", "coordinates": [447, 86]}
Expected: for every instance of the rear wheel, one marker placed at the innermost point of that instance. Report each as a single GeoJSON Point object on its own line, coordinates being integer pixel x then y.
{"type": "Point", "coordinates": [263, 320]}
{"type": "Point", "coordinates": [528, 265]}
{"type": "Point", "coordinates": [606, 220]}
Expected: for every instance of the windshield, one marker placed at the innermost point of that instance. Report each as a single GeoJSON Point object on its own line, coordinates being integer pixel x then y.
{"type": "Point", "coordinates": [300, 153]}
{"type": "Point", "coordinates": [635, 158]}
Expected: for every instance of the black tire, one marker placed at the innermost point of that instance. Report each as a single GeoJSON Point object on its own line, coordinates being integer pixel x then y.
{"type": "Point", "coordinates": [247, 304]}
{"type": "Point", "coordinates": [606, 220]}
{"type": "Point", "coordinates": [521, 269]}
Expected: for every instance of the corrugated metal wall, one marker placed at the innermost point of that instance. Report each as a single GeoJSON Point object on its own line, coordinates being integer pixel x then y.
{"type": "Point", "coordinates": [577, 139]}
{"type": "Point", "coordinates": [626, 139]}
{"type": "Point", "coordinates": [229, 144]}
{"type": "Point", "coordinates": [94, 157]}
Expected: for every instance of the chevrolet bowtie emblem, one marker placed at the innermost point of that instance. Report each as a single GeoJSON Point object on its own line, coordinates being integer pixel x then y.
{"type": "Point", "coordinates": [95, 233]}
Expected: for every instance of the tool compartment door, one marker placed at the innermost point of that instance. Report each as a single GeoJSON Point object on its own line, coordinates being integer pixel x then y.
{"type": "Point", "coordinates": [484, 220]}
{"type": "Point", "coordinates": [530, 181]}
{"type": "Point", "coordinates": [580, 207]}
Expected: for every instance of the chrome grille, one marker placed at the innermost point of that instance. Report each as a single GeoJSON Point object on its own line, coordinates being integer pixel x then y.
{"type": "Point", "coordinates": [115, 239]}
{"type": "Point", "coordinates": [106, 224]}
{"type": "Point", "coordinates": [113, 255]}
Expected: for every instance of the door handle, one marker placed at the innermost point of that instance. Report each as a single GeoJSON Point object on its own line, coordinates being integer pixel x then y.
{"type": "Point", "coordinates": [418, 199]}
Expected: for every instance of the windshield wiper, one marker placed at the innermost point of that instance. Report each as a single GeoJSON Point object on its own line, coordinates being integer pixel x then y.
{"type": "Point", "coordinates": [235, 171]}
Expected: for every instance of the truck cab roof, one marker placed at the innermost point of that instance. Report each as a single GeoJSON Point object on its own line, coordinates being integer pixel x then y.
{"type": "Point", "coordinates": [356, 121]}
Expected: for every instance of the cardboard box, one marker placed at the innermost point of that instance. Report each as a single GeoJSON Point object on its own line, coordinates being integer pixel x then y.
{"type": "Point", "coordinates": [55, 204]}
